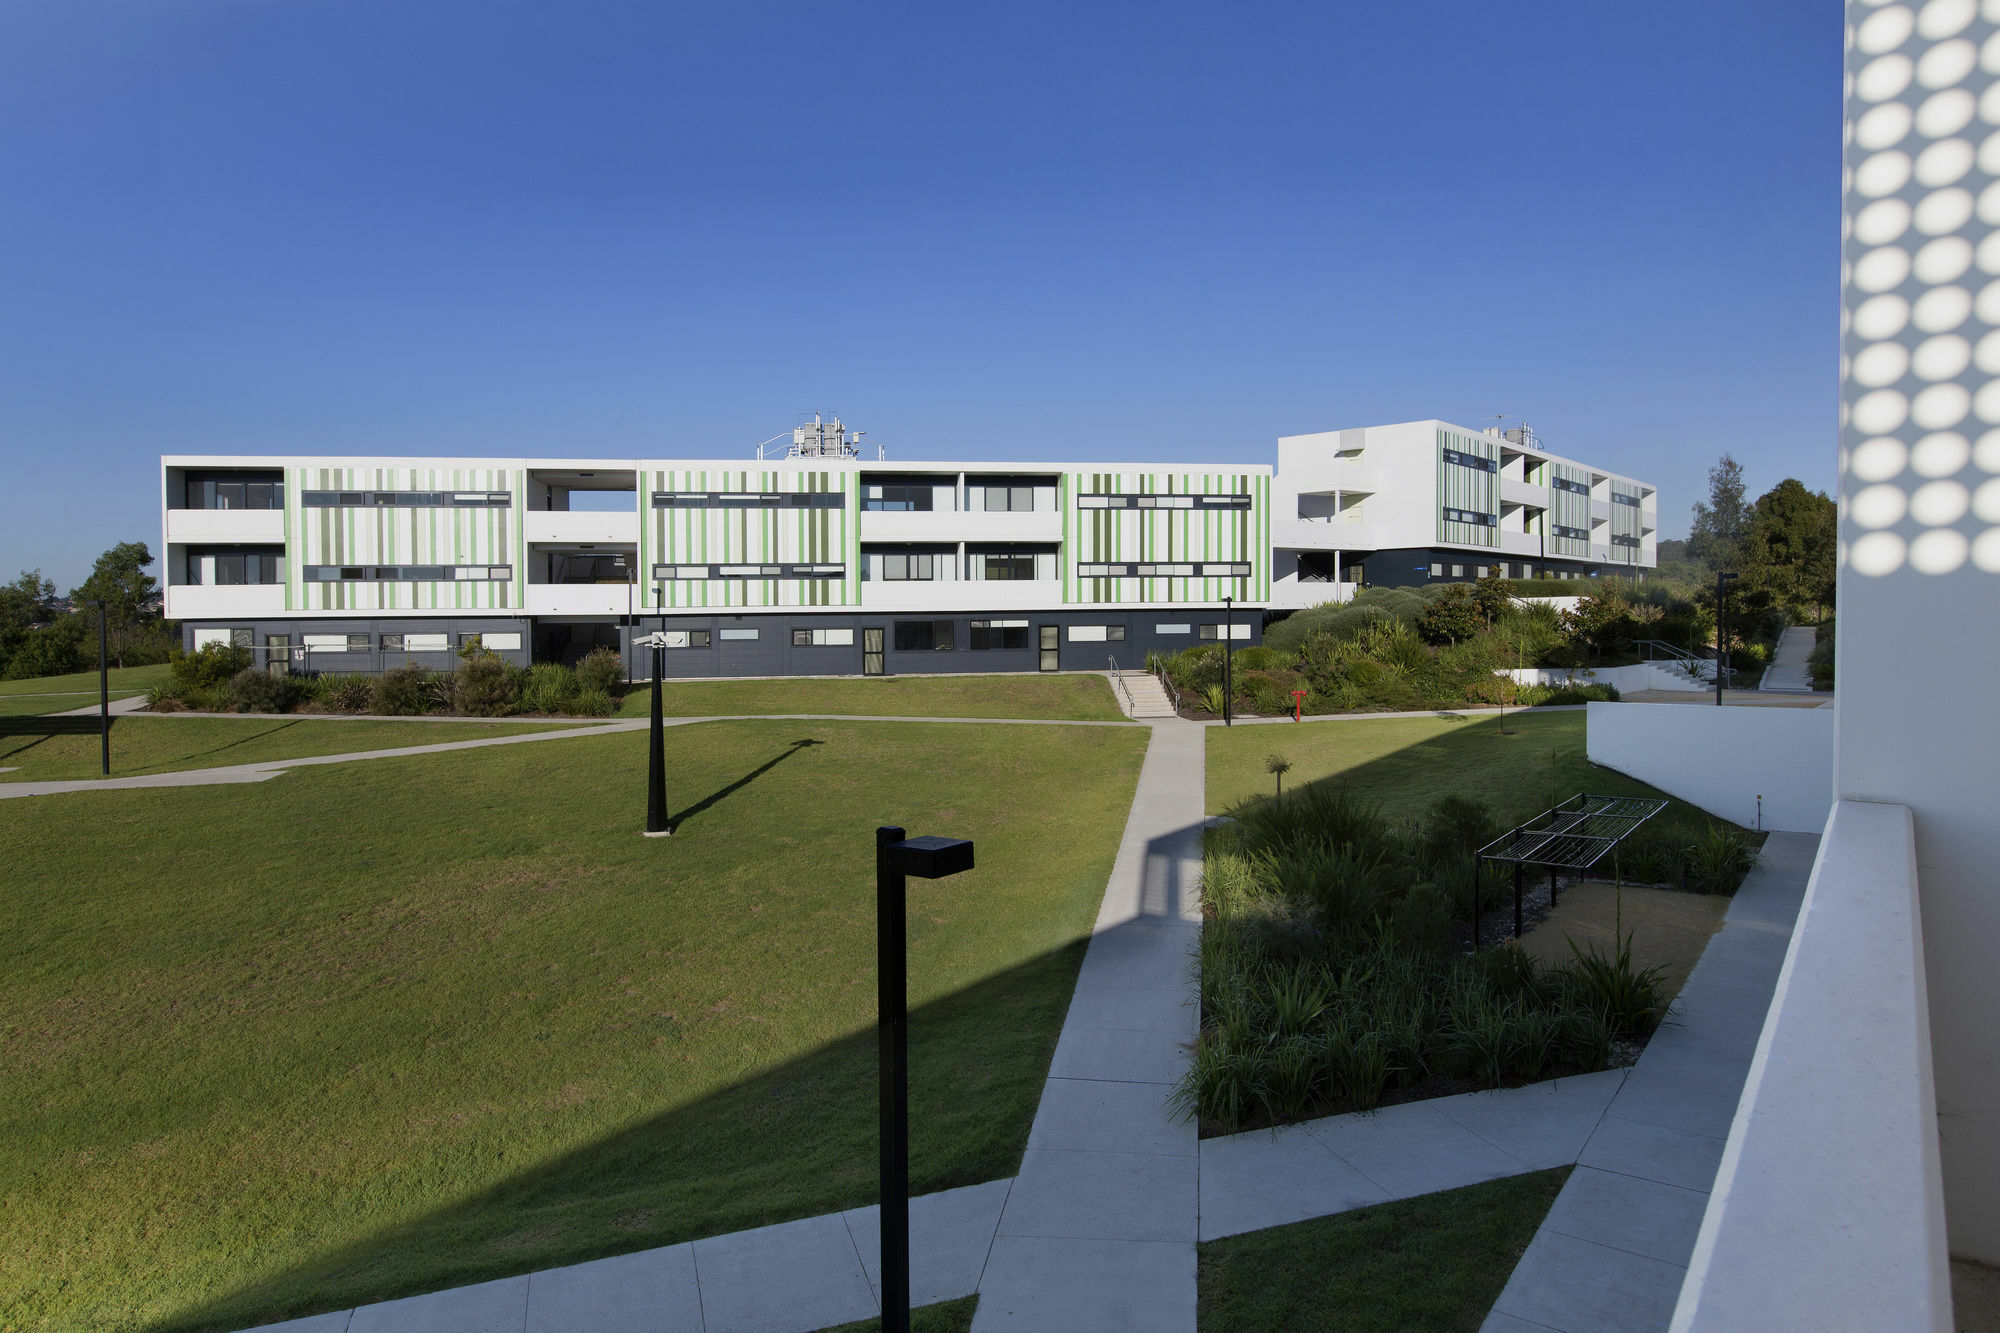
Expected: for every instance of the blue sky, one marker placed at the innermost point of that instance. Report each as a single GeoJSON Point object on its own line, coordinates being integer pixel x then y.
{"type": "Point", "coordinates": [1118, 232]}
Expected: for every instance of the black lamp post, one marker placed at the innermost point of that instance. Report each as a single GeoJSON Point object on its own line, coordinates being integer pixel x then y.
{"type": "Point", "coordinates": [103, 689]}
{"type": "Point", "coordinates": [1228, 677]}
{"type": "Point", "coordinates": [895, 858]}
{"type": "Point", "coordinates": [1721, 640]}
{"type": "Point", "coordinates": [656, 757]}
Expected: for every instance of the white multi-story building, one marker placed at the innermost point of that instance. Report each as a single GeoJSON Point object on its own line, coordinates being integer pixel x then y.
{"type": "Point", "coordinates": [824, 563]}
{"type": "Point", "coordinates": [1411, 503]}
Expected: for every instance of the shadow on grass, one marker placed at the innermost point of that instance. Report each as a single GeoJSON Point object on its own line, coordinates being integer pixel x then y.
{"type": "Point", "coordinates": [792, 1142]}
{"type": "Point", "coordinates": [18, 735]}
{"type": "Point", "coordinates": [713, 797]}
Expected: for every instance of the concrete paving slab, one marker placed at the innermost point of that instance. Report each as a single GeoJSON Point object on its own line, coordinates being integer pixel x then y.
{"type": "Point", "coordinates": [1267, 1178]}
{"type": "Point", "coordinates": [1136, 1009]}
{"type": "Point", "coordinates": [651, 1291]}
{"type": "Point", "coordinates": [1638, 1216]}
{"type": "Point", "coordinates": [1102, 1196]}
{"type": "Point", "coordinates": [1542, 1125]}
{"type": "Point", "coordinates": [1413, 1149]}
{"type": "Point", "coordinates": [1578, 1286]}
{"type": "Point", "coordinates": [1701, 1101]}
{"type": "Point", "coordinates": [487, 1307]}
{"type": "Point", "coordinates": [1165, 939]}
{"type": "Point", "coordinates": [1506, 1323]}
{"type": "Point", "coordinates": [1090, 1115]}
{"type": "Point", "coordinates": [791, 1278]}
{"type": "Point", "coordinates": [951, 1233]}
{"type": "Point", "coordinates": [1654, 1152]}
{"type": "Point", "coordinates": [1041, 1284]}
{"type": "Point", "coordinates": [1112, 969]}
{"type": "Point", "coordinates": [312, 1323]}
{"type": "Point", "coordinates": [1121, 1056]}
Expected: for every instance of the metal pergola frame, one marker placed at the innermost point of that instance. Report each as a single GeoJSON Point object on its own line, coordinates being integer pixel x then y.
{"type": "Point", "coordinates": [1572, 835]}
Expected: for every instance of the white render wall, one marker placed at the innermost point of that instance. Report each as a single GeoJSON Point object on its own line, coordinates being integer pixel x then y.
{"type": "Point", "coordinates": [1723, 759]}
{"type": "Point", "coordinates": [1919, 629]}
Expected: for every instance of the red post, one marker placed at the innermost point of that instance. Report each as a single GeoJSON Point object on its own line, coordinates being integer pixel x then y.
{"type": "Point", "coordinates": [1298, 705]}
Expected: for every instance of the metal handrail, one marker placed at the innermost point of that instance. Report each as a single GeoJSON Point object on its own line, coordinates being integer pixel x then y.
{"type": "Point", "coordinates": [1131, 704]}
{"type": "Point", "coordinates": [1683, 658]}
{"type": "Point", "coordinates": [1167, 682]}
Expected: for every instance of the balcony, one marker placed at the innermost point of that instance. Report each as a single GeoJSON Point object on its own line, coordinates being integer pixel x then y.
{"type": "Point", "coordinates": [581, 599]}
{"type": "Point", "coordinates": [1315, 534]}
{"type": "Point", "coordinates": [958, 525]}
{"type": "Point", "coordinates": [226, 526]}
{"type": "Point", "coordinates": [1316, 474]}
{"type": "Point", "coordinates": [1513, 491]}
{"type": "Point", "coordinates": [962, 595]}
{"type": "Point", "coordinates": [1520, 543]}
{"type": "Point", "coordinates": [201, 601]}
{"type": "Point", "coordinates": [574, 526]}
{"type": "Point", "coordinates": [1600, 511]}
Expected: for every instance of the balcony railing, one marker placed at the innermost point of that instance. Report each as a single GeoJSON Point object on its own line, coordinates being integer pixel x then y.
{"type": "Point", "coordinates": [242, 526]}
{"type": "Point", "coordinates": [204, 601]}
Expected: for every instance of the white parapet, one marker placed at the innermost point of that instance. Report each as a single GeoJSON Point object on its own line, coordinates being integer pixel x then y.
{"type": "Point", "coordinates": [1724, 759]}
{"type": "Point", "coordinates": [1828, 1209]}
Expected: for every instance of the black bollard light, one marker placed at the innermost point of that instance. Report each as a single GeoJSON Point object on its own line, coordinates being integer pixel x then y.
{"type": "Point", "coordinates": [895, 858]}
{"type": "Point", "coordinates": [657, 824]}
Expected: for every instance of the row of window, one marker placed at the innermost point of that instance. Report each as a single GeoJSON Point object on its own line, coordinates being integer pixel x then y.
{"type": "Point", "coordinates": [1206, 570]}
{"type": "Point", "coordinates": [213, 493]}
{"type": "Point", "coordinates": [406, 499]}
{"type": "Point", "coordinates": [1620, 498]}
{"type": "Point", "coordinates": [914, 497]}
{"type": "Point", "coordinates": [408, 573]}
{"type": "Point", "coordinates": [1473, 461]}
{"type": "Point", "coordinates": [1575, 487]}
{"type": "Point", "coordinates": [1573, 534]}
{"type": "Point", "coordinates": [403, 642]}
{"type": "Point", "coordinates": [673, 573]}
{"type": "Point", "coordinates": [1155, 501]}
{"type": "Point", "coordinates": [749, 500]}
{"type": "Point", "coordinates": [1472, 516]}
{"type": "Point", "coordinates": [1620, 539]}
{"type": "Point", "coordinates": [233, 568]}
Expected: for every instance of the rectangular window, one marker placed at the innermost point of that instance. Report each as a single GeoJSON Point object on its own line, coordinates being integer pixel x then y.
{"type": "Point", "coordinates": [502, 643]}
{"type": "Point", "coordinates": [229, 569]}
{"type": "Point", "coordinates": [1574, 487]}
{"type": "Point", "coordinates": [357, 643]}
{"type": "Point", "coordinates": [898, 497]}
{"type": "Point", "coordinates": [425, 643]}
{"type": "Point", "coordinates": [749, 499]}
{"type": "Point", "coordinates": [738, 634]}
{"type": "Point", "coordinates": [916, 636]}
{"type": "Point", "coordinates": [907, 566]}
{"type": "Point", "coordinates": [1458, 571]}
{"type": "Point", "coordinates": [1477, 464]}
{"type": "Point", "coordinates": [1216, 631]}
{"type": "Point", "coordinates": [1007, 568]}
{"type": "Point", "coordinates": [822, 638]}
{"type": "Point", "coordinates": [1097, 634]}
{"type": "Point", "coordinates": [240, 637]}
{"type": "Point", "coordinates": [392, 643]}
{"type": "Point", "coordinates": [675, 573]}
{"type": "Point", "coordinates": [998, 634]}
{"type": "Point", "coordinates": [1172, 629]}
{"type": "Point", "coordinates": [332, 643]}
{"type": "Point", "coordinates": [1619, 497]}
{"type": "Point", "coordinates": [1158, 500]}
{"type": "Point", "coordinates": [403, 499]}
{"type": "Point", "coordinates": [1437, 571]}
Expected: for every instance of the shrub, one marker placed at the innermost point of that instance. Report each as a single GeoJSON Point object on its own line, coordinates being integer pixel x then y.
{"type": "Point", "coordinates": [485, 684]}
{"type": "Point", "coordinates": [1260, 657]}
{"type": "Point", "coordinates": [254, 691]}
{"type": "Point", "coordinates": [1215, 700]}
{"type": "Point", "coordinates": [549, 688]}
{"type": "Point", "coordinates": [1719, 858]}
{"type": "Point", "coordinates": [1453, 615]}
{"type": "Point", "coordinates": [1266, 696]}
{"type": "Point", "coordinates": [1422, 920]}
{"type": "Point", "coordinates": [347, 693]}
{"type": "Point", "coordinates": [592, 703]}
{"type": "Point", "coordinates": [602, 670]}
{"type": "Point", "coordinates": [165, 699]}
{"type": "Point", "coordinates": [208, 666]}
{"type": "Point", "coordinates": [406, 691]}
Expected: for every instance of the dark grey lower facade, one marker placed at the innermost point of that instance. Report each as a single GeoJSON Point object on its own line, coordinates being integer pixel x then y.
{"type": "Point", "coordinates": [750, 643]}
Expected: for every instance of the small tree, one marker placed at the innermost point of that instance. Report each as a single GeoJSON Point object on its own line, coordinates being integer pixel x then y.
{"type": "Point", "coordinates": [1493, 595]}
{"type": "Point", "coordinates": [128, 592]}
{"type": "Point", "coordinates": [1596, 622]}
{"type": "Point", "coordinates": [1454, 615]}
{"type": "Point", "coordinates": [1277, 766]}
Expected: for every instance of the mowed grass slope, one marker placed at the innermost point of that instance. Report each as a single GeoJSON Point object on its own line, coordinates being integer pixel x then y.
{"type": "Point", "coordinates": [375, 1029]}
{"type": "Point", "coordinates": [1076, 698]}
{"type": "Point", "coordinates": [124, 680]}
{"type": "Point", "coordinates": [61, 749]}
{"type": "Point", "coordinates": [1406, 763]}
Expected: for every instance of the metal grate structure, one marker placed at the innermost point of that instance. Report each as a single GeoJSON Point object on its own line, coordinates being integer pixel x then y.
{"type": "Point", "coordinates": [1573, 835]}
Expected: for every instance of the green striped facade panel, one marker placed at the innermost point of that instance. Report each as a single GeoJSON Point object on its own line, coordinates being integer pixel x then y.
{"type": "Point", "coordinates": [1568, 509]}
{"type": "Point", "coordinates": [1165, 536]}
{"type": "Point", "coordinates": [1627, 520]}
{"type": "Point", "coordinates": [1468, 489]}
{"type": "Point", "coordinates": [750, 536]}
{"type": "Point", "coordinates": [399, 535]}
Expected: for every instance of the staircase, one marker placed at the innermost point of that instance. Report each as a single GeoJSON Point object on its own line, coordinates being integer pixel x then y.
{"type": "Point", "coordinates": [1141, 695]}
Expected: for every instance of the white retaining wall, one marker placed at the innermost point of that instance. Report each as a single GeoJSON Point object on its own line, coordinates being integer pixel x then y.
{"type": "Point", "coordinates": [1627, 679]}
{"type": "Point", "coordinates": [1723, 759]}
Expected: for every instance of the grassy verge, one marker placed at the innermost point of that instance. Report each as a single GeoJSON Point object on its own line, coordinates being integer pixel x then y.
{"type": "Point", "coordinates": [1067, 697]}
{"type": "Point", "coordinates": [1435, 1263]}
{"type": "Point", "coordinates": [944, 1317]}
{"type": "Point", "coordinates": [41, 705]}
{"type": "Point", "coordinates": [391, 1027]}
{"type": "Point", "coordinates": [128, 680]}
{"type": "Point", "coordinates": [62, 749]}
{"type": "Point", "coordinates": [1405, 764]}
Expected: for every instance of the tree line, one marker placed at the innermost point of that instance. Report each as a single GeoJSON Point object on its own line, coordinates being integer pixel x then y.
{"type": "Point", "coordinates": [44, 634]}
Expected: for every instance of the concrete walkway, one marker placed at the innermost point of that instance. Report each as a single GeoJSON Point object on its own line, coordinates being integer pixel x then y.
{"type": "Point", "coordinates": [1791, 666]}
{"type": "Point", "coordinates": [131, 703]}
{"type": "Point", "coordinates": [1613, 1250]}
{"type": "Point", "coordinates": [271, 768]}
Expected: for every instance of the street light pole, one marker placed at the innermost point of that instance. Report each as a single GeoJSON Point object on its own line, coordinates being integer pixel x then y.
{"type": "Point", "coordinates": [103, 689]}
{"type": "Point", "coordinates": [895, 858]}
{"type": "Point", "coordinates": [1228, 675]}
{"type": "Point", "coordinates": [1721, 641]}
{"type": "Point", "coordinates": [657, 825]}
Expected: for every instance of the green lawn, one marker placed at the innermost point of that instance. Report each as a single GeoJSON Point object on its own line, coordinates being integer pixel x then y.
{"type": "Point", "coordinates": [373, 1029]}
{"type": "Point", "coordinates": [127, 680]}
{"type": "Point", "coordinates": [1426, 1265]}
{"type": "Point", "coordinates": [58, 749]}
{"type": "Point", "coordinates": [41, 705]}
{"type": "Point", "coordinates": [1405, 763]}
{"type": "Point", "coordinates": [1069, 697]}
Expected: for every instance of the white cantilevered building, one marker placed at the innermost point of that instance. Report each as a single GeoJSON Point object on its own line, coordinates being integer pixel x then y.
{"type": "Point", "coordinates": [1407, 504]}
{"type": "Point", "coordinates": [823, 563]}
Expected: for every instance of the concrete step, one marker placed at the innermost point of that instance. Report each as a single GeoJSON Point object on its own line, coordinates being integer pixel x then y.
{"type": "Point", "coordinates": [1141, 695]}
